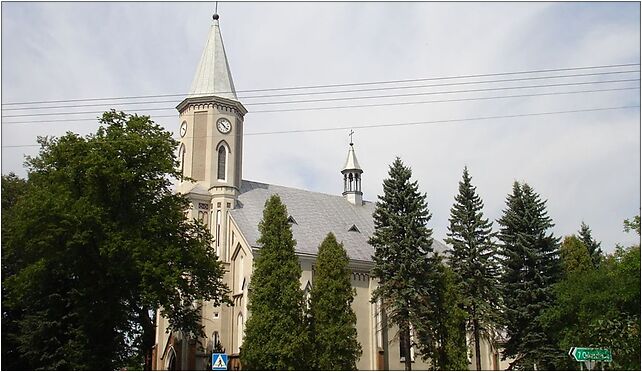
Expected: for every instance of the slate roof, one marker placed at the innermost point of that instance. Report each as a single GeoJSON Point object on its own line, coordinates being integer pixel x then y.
{"type": "Point", "coordinates": [315, 214]}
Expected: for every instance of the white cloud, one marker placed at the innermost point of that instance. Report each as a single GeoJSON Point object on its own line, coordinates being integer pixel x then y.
{"type": "Point", "coordinates": [586, 165]}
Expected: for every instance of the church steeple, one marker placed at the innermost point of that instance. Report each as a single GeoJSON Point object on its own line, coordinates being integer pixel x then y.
{"type": "Point", "coordinates": [211, 122]}
{"type": "Point", "coordinates": [213, 76]}
{"type": "Point", "coordinates": [352, 177]}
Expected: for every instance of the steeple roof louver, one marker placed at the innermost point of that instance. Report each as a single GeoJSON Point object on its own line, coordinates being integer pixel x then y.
{"type": "Point", "coordinates": [213, 76]}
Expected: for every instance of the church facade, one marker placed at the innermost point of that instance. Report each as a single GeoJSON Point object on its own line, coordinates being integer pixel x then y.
{"type": "Point", "coordinates": [211, 152]}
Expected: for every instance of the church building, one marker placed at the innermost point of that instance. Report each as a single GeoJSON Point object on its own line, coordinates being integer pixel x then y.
{"type": "Point", "coordinates": [211, 120]}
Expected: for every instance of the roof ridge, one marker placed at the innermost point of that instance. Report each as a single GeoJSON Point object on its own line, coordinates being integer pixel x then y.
{"type": "Point", "coordinates": [294, 188]}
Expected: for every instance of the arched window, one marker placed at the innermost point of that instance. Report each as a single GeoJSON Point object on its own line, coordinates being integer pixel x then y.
{"type": "Point", "coordinates": [181, 158]}
{"type": "Point", "coordinates": [379, 323]}
{"type": "Point", "coordinates": [350, 179]}
{"type": "Point", "coordinates": [239, 327]}
{"type": "Point", "coordinates": [241, 273]}
{"type": "Point", "coordinates": [222, 160]}
{"type": "Point", "coordinates": [171, 360]}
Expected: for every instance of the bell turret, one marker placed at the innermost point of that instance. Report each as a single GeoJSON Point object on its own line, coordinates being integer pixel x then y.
{"type": "Point", "coordinates": [352, 178]}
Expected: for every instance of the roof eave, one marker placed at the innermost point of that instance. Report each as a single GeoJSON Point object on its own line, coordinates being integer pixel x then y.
{"type": "Point", "coordinates": [209, 99]}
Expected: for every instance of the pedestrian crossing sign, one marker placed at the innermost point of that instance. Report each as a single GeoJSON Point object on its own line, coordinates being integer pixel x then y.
{"type": "Point", "coordinates": [219, 362]}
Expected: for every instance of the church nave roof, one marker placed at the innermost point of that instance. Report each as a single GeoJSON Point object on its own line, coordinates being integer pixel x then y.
{"type": "Point", "coordinates": [316, 214]}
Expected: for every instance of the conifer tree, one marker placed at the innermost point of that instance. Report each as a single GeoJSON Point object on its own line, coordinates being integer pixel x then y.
{"type": "Point", "coordinates": [593, 246]}
{"type": "Point", "coordinates": [530, 268]}
{"type": "Point", "coordinates": [334, 321]}
{"type": "Point", "coordinates": [276, 336]}
{"type": "Point", "coordinates": [574, 256]}
{"type": "Point", "coordinates": [472, 259]}
{"type": "Point", "coordinates": [444, 343]}
{"type": "Point", "coordinates": [402, 252]}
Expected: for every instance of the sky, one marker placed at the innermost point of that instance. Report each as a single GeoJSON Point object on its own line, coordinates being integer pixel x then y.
{"type": "Point", "coordinates": [586, 165]}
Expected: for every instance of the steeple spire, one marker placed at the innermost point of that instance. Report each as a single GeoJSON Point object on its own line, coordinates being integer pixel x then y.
{"type": "Point", "coordinates": [213, 76]}
{"type": "Point", "coordinates": [352, 177]}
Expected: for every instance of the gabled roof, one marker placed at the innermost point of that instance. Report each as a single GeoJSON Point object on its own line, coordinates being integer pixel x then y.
{"type": "Point", "coordinates": [213, 76]}
{"type": "Point", "coordinates": [316, 214]}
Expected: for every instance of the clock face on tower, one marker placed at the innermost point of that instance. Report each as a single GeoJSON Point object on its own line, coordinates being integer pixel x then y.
{"type": "Point", "coordinates": [183, 130]}
{"type": "Point", "coordinates": [224, 126]}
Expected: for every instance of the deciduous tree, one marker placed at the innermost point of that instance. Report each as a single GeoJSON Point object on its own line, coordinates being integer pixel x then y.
{"type": "Point", "coordinates": [96, 244]}
{"type": "Point", "coordinates": [575, 256]}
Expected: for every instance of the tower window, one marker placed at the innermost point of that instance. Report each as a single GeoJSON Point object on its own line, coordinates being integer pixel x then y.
{"type": "Point", "coordinates": [181, 156]}
{"type": "Point", "coordinates": [222, 159]}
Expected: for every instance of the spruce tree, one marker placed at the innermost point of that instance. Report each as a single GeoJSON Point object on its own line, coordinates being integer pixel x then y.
{"type": "Point", "coordinates": [593, 246]}
{"type": "Point", "coordinates": [276, 336]}
{"type": "Point", "coordinates": [472, 259]}
{"type": "Point", "coordinates": [402, 252]}
{"type": "Point", "coordinates": [530, 268]}
{"type": "Point", "coordinates": [444, 343]}
{"type": "Point", "coordinates": [334, 321]}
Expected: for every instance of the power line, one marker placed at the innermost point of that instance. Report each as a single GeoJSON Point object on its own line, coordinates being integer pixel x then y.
{"type": "Point", "coordinates": [336, 85]}
{"type": "Point", "coordinates": [441, 121]}
{"type": "Point", "coordinates": [359, 106]}
{"type": "Point", "coordinates": [355, 98]}
{"type": "Point", "coordinates": [343, 91]}
{"type": "Point", "coordinates": [446, 100]}
{"type": "Point", "coordinates": [345, 127]}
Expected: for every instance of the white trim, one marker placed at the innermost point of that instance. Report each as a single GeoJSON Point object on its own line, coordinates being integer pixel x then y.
{"type": "Point", "coordinates": [227, 158]}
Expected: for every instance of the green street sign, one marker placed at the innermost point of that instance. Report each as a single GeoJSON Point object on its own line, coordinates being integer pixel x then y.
{"type": "Point", "coordinates": [584, 354]}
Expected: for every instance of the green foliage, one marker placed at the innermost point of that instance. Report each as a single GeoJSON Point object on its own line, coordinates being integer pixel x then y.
{"type": "Point", "coordinates": [444, 342]}
{"type": "Point", "coordinates": [633, 224]}
{"type": "Point", "coordinates": [334, 322]}
{"type": "Point", "coordinates": [402, 248]}
{"type": "Point", "coordinates": [473, 263]}
{"type": "Point", "coordinates": [96, 244]}
{"type": "Point", "coordinates": [530, 268]}
{"type": "Point", "coordinates": [575, 256]}
{"type": "Point", "coordinates": [600, 308]}
{"type": "Point", "coordinates": [593, 247]}
{"type": "Point", "coordinates": [13, 187]}
{"type": "Point", "coordinates": [276, 336]}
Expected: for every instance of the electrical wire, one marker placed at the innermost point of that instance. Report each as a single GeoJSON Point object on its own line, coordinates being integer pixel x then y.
{"type": "Point", "coordinates": [345, 127]}
{"type": "Point", "coordinates": [356, 98]}
{"type": "Point", "coordinates": [355, 106]}
{"type": "Point", "coordinates": [343, 91]}
{"type": "Point", "coordinates": [336, 85]}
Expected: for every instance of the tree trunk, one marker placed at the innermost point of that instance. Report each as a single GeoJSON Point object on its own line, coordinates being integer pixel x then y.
{"type": "Point", "coordinates": [149, 338]}
{"type": "Point", "coordinates": [477, 346]}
